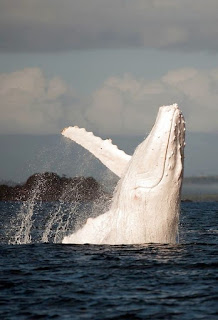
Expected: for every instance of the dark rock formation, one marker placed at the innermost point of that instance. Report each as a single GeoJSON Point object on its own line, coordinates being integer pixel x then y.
{"type": "Point", "coordinates": [49, 186]}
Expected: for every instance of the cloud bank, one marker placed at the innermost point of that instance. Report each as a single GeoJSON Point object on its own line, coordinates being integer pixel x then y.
{"type": "Point", "coordinates": [54, 25]}
{"type": "Point", "coordinates": [34, 104]}
{"type": "Point", "coordinates": [31, 103]}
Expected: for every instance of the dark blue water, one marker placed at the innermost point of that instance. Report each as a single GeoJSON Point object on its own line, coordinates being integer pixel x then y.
{"type": "Point", "coordinates": [55, 281]}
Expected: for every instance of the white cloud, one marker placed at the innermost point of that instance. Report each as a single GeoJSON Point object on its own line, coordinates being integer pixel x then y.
{"type": "Point", "coordinates": [31, 103]}
{"type": "Point", "coordinates": [129, 105]}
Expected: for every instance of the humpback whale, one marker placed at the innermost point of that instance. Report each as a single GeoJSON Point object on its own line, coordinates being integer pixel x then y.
{"type": "Point", "coordinates": [146, 202]}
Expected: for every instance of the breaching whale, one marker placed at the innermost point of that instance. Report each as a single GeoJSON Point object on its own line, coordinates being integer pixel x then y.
{"type": "Point", "coordinates": [146, 202]}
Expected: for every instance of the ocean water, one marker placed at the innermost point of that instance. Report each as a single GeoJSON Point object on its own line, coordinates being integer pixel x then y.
{"type": "Point", "coordinates": [149, 281]}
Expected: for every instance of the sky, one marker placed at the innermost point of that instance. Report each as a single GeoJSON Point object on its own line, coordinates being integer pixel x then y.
{"type": "Point", "coordinates": [108, 65]}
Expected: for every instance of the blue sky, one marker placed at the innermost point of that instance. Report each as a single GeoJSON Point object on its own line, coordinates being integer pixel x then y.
{"type": "Point", "coordinates": [108, 65]}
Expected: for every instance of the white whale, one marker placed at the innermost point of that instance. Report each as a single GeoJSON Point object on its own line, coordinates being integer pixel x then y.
{"type": "Point", "coordinates": [146, 203]}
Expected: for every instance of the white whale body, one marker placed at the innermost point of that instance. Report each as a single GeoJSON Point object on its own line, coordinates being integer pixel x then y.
{"type": "Point", "coordinates": [146, 203]}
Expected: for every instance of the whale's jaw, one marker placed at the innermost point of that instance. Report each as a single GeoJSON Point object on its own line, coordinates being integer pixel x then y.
{"type": "Point", "coordinates": [146, 203]}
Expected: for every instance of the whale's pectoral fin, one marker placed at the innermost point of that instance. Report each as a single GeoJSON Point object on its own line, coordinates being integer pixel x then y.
{"type": "Point", "coordinates": [109, 154]}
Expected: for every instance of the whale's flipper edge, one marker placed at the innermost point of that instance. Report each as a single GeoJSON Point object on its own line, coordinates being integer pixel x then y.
{"type": "Point", "coordinates": [113, 158]}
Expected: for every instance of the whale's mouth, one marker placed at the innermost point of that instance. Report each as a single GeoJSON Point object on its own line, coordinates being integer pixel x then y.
{"type": "Point", "coordinates": [162, 149]}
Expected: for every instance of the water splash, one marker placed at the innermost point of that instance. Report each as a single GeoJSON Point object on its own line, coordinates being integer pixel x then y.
{"type": "Point", "coordinates": [40, 221]}
{"type": "Point", "coordinates": [23, 234]}
{"type": "Point", "coordinates": [59, 222]}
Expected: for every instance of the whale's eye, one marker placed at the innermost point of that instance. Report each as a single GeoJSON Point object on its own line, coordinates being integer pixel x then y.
{"type": "Point", "coordinates": [138, 194]}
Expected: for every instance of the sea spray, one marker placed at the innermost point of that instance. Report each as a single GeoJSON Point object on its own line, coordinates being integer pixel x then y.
{"type": "Point", "coordinates": [61, 219]}
{"type": "Point", "coordinates": [23, 234]}
{"type": "Point", "coordinates": [39, 220]}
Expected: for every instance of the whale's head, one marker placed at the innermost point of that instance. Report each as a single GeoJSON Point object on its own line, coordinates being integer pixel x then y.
{"type": "Point", "coordinates": [151, 185]}
{"type": "Point", "coordinates": [159, 158]}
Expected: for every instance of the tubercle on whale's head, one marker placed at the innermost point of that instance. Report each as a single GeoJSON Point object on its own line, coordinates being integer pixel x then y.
{"type": "Point", "coordinates": [160, 157]}
{"type": "Point", "coordinates": [174, 161]}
